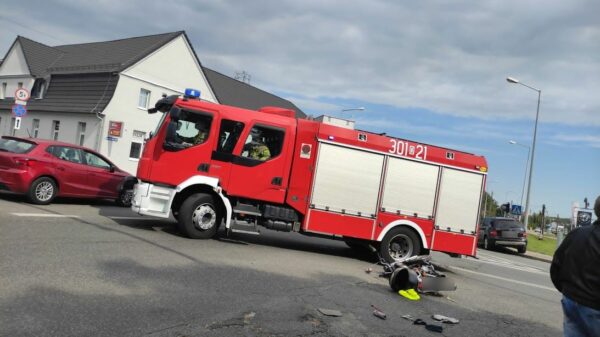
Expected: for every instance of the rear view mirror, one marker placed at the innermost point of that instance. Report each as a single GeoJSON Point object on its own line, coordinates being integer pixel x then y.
{"type": "Point", "coordinates": [112, 168]}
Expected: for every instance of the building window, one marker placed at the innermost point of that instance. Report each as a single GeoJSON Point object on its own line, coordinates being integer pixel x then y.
{"type": "Point", "coordinates": [35, 128]}
{"type": "Point", "coordinates": [135, 151]}
{"type": "Point", "coordinates": [144, 99]}
{"type": "Point", "coordinates": [55, 129]}
{"type": "Point", "coordinates": [80, 133]}
{"type": "Point", "coordinates": [38, 88]}
{"type": "Point", "coordinates": [12, 126]}
{"type": "Point", "coordinates": [3, 91]}
{"type": "Point", "coordinates": [20, 85]}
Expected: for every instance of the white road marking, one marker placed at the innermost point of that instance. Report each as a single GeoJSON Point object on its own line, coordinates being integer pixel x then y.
{"type": "Point", "coordinates": [507, 263]}
{"type": "Point", "coordinates": [504, 279]}
{"type": "Point", "coordinates": [45, 215]}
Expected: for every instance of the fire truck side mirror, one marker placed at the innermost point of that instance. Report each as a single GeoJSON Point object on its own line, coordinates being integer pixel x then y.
{"type": "Point", "coordinates": [175, 113]}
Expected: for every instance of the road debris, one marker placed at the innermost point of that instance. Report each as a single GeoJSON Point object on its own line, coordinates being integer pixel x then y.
{"type": "Point", "coordinates": [410, 294]}
{"type": "Point", "coordinates": [445, 319]}
{"type": "Point", "coordinates": [330, 312]}
{"type": "Point", "coordinates": [430, 327]}
{"type": "Point", "coordinates": [418, 273]}
{"type": "Point", "coordinates": [369, 270]}
{"type": "Point", "coordinates": [378, 312]}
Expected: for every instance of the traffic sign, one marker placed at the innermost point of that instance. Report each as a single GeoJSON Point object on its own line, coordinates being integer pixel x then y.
{"type": "Point", "coordinates": [19, 110]}
{"type": "Point", "coordinates": [17, 123]}
{"type": "Point", "coordinates": [22, 94]}
{"type": "Point", "coordinates": [112, 139]}
{"type": "Point", "coordinates": [515, 209]}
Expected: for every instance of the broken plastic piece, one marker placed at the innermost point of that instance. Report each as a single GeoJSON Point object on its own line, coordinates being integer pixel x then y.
{"type": "Point", "coordinates": [445, 319]}
{"type": "Point", "coordinates": [410, 294]}
{"type": "Point", "coordinates": [330, 312]}
{"type": "Point", "coordinates": [378, 312]}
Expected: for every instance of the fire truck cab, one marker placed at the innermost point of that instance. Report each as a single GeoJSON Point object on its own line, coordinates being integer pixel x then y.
{"type": "Point", "coordinates": [210, 165]}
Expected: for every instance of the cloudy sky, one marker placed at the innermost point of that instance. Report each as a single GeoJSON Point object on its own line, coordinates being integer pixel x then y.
{"type": "Point", "coordinates": [429, 71]}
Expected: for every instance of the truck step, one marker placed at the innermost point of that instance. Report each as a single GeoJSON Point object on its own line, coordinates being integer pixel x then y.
{"type": "Point", "coordinates": [244, 228]}
{"type": "Point", "coordinates": [246, 209]}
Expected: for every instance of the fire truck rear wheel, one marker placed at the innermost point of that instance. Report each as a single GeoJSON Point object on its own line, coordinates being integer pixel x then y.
{"type": "Point", "coordinates": [398, 244]}
{"type": "Point", "coordinates": [198, 217]}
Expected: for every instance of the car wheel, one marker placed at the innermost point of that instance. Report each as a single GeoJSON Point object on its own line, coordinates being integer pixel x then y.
{"type": "Point", "coordinates": [488, 244]}
{"type": "Point", "coordinates": [124, 199]}
{"type": "Point", "coordinates": [42, 191]}
{"type": "Point", "coordinates": [399, 244]}
{"type": "Point", "coordinates": [522, 249]}
{"type": "Point", "coordinates": [198, 217]}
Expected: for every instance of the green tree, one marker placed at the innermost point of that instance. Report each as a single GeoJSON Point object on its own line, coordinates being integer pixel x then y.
{"type": "Point", "coordinates": [489, 206]}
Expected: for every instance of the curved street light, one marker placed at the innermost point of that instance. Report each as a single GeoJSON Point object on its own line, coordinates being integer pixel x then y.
{"type": "Point", "coordinates": [526, 164]}
{"type": "Point", "coordinates": [353, 109]}
{"type": "Point", "coordinates": [537, 115]}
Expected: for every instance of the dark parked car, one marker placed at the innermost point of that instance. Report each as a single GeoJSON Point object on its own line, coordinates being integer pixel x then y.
{"type": "Point", "coordinates": [45, 169]}
{"type": "Point", "coordinates": [506, 232]}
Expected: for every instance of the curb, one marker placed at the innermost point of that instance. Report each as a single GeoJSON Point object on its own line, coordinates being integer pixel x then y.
{"type": "Point", "coordinates": [542, 258]}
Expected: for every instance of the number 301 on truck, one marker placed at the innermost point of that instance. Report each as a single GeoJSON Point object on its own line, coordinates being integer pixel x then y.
{"type": "Point", "coordinates": [212, 165]}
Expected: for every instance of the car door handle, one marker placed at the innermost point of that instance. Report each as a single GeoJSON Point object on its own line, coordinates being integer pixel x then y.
{"type": "Point", "coordinates": [203, 167]}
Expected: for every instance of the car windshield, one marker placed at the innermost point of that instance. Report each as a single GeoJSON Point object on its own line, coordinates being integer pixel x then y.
{"type": "Point", "coordinates": [15, 146]}
{"type": "Point", "coordinates": [507, 224]}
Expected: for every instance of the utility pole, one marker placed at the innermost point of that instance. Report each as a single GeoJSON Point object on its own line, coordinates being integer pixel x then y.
{"type": "Point", "coordinates": [242, 76]}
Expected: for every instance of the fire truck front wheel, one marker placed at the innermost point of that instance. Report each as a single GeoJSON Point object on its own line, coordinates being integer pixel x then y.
{"type": "Point", "coordinates": [399, 243]}
{"type": "Point", "coordinates": [198, 217]}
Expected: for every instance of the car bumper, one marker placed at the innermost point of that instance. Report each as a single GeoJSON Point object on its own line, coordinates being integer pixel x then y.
{"type": "Point", "coordinates": [510, 243]}
{"type": "Point", "coordinates": [14, 180]}
{"type": "Point", "coordinates": [150, 199]}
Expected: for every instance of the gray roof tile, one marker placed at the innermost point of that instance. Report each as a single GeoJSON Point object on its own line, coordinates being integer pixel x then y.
{"type": "Point", "coordinates": [230, 91]}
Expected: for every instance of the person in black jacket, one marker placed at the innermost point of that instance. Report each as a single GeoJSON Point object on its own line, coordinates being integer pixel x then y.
{"type": "Point", "coordinates": [575, 272]}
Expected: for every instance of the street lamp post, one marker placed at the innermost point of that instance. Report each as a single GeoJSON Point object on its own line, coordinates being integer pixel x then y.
{"type": "Point", "coordinates": [353, 109]}
{"type": "Point", "coordinates": [526, 164]}
{"type": "Point", "coordinates": [537, 115]}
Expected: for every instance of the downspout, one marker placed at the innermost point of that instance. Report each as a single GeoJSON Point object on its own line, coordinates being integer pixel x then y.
{"type": "Point", "coordinates": [100, 117]}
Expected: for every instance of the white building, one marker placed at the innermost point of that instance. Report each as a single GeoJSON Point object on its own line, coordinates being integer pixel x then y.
{"type": "Point", "coordinates": [97, 94]}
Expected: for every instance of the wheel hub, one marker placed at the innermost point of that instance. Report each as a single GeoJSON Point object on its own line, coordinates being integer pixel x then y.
{"type": "Point", "coordinates": [204, 217]}
{"type": "Point", "coordinates": [400, 247]}
{"type": "Point", "coordinates": [44, 191]}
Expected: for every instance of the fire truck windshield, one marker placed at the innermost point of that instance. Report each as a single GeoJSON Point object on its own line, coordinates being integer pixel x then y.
{"type": "Point", "coordinates": [158, 125]}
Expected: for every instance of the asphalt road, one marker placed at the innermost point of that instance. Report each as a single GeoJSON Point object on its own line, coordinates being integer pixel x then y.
{"type": "Point", "coordinates": [75, 269]}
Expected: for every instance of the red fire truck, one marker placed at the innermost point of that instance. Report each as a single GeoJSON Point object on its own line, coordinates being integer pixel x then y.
{"type": "Point", "coordinates": [210, 165]}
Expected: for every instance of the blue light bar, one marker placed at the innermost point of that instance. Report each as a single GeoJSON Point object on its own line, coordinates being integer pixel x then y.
{"type": "Point", "coordinates": [194, 93]}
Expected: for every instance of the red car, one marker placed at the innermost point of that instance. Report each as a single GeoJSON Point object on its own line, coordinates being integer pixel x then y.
{"type": "Point", "coordinates": [44, 169]}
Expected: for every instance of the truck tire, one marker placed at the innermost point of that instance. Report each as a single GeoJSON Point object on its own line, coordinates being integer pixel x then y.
{"type": "Point", "coordinates": [42, 191]}
{"type": "Point", "coordinates": [399, 244]}
{"type": "Point", "coordinates": [198, 217]}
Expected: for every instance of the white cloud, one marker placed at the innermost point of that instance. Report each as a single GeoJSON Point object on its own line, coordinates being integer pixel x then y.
{"type": "Point", "coordinates": [448, 57]}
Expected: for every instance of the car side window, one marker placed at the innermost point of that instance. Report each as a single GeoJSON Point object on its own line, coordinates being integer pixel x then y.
{"type": "Point", "coordinates": [66, 153]}
{"type": "Point", "coordinates": [229, 134]}
{"type": "Point", "coordinates": [94, 160]}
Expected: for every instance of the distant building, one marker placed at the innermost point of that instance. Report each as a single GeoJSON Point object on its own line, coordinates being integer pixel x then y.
{"type": "Point", "coordinates": [80, 92]}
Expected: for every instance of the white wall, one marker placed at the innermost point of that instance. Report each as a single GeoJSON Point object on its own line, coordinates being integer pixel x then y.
{"type": "Point", "coordinates": [168, 71]}
{"type": "Point", "coordinates": [14, 70]}
{"type": "Point", "coordinates": [67, 131]}
{"type": "Point", "coordinates": [173, 66]}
